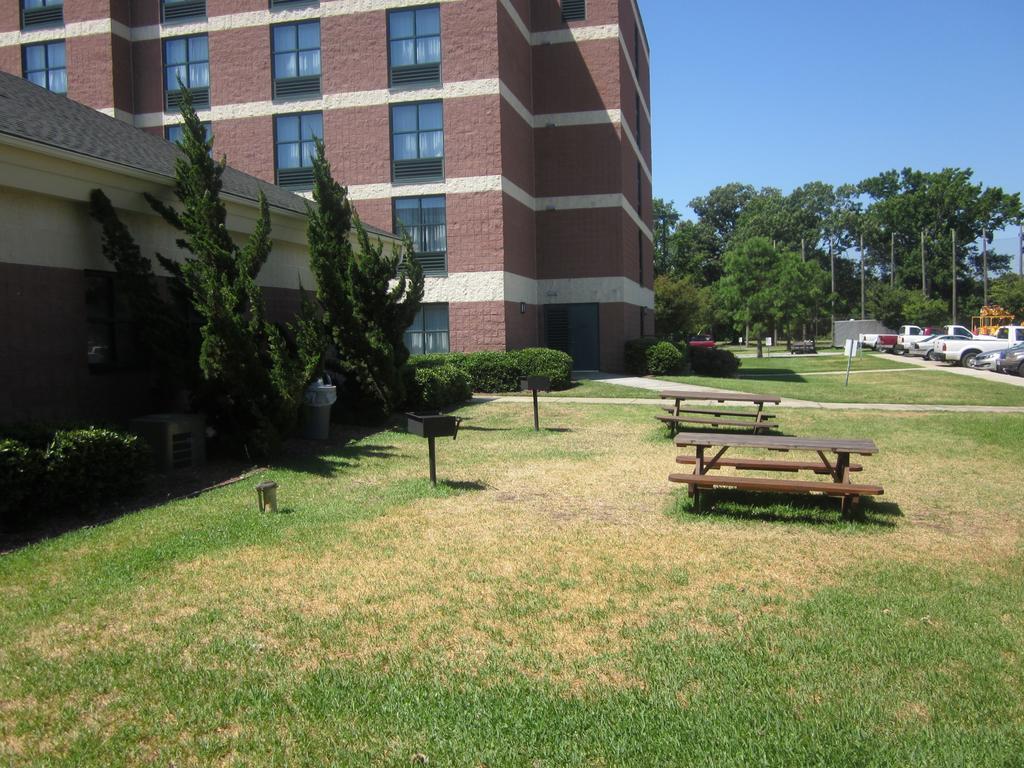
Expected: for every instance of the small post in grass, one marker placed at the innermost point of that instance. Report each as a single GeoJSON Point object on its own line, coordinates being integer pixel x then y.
{"type": "Point", "coordinates": [535, 383]}
{"type": "Point", "coordinates": [266, 496]}
{"type": "Point", "coordinates": [852, 348]}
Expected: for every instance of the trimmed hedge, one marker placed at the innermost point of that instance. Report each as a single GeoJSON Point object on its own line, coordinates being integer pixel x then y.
{"type": "Point", "coordinates": [75, 472]}
{"type": "Point", "coordinates": [713, 362]}
{"type": "Point", "coordinates": [435, 386]}
{"type": "Point", "coordinates": [492, 371]}
{"type": "Point", "coordinates": [664, 358]}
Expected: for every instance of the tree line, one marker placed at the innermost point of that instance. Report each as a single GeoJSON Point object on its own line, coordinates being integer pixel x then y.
{"type": "Point", "coordinates": [760, 262]}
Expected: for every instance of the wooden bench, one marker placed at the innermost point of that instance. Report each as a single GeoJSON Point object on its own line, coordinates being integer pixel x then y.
{"type": "Point", "coordinates": [770, 465]}
{"type": "Point", "coordinates": [756, 427]}
{"type": "Point", "coordinates": [719, 412]}
{"type": "Point", "coordinates": [849, 492]}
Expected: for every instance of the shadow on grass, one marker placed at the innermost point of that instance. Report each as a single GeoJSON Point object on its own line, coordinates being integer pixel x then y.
{"type": "Point", "coordinates": [784, 508]}
{"type": "Point", "coordinates": [772, 374]}
{"type": "Point", "coordinates": [326, 460]}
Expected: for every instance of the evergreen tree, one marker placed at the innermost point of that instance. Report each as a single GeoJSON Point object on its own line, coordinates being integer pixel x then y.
{"type": "Point", "coordinates": [252, 380]}
{"type": "Point", "coordinates": [367, 301]}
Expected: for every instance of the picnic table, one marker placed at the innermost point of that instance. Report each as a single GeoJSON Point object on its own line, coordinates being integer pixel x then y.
{"type": "Point", "coordinates": [838, 468]}
{"type": "Point", "coordinates": [717, 417]}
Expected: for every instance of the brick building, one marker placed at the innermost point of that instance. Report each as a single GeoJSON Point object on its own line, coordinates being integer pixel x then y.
{"type": "Point", "coordinates": [510, 138]}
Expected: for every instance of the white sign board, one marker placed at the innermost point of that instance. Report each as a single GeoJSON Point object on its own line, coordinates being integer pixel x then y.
{"type": "Point", "coordinates": [852, 347]}
{"type": "Point", "coordinates": [768, 341]}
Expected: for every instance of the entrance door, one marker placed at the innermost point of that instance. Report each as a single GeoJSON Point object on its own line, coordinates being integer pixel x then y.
{"type": "Point", "coordinates": [574, 328]}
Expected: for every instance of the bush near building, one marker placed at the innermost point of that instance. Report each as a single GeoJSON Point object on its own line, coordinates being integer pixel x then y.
{"type": "Point", "coordinates": [648, 356]}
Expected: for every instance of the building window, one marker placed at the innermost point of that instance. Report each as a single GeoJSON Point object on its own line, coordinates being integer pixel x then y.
{"type": "Point", "coordinates": [42, 13]}
{"type": "Point", "coordinates": [423, 220]}
{"type": "Point", "coordinates": [294, 148]}
{"type": "Point", "coordinates": [414, 46]}
{"type": "Point", "coordinates": [292, 3]}
{"type": "Point", "coordinates": [574, 10]}
{"type": "Point", "coordinates": [417, 142]}
{"type": "Point", "coordinates": [187, 66]}
{"type": "Point", "coordinates": [45, 66]}
{"type": "Point", "coordinates": [111, 339]}
{"type": "Point", "coordinates": [182, 10]}
{"type": "Point", "coordinates": [296, 59]}
{"type": "Point", "coordinates": [174, 133]}
{"type": "Point", "coordinates": [429, 330]}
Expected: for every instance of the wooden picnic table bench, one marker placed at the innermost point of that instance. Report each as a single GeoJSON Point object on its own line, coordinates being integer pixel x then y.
{"type": "Point", "coordinates": [838, 469]}
{"type": "Point", "coordinates": [678, 415]}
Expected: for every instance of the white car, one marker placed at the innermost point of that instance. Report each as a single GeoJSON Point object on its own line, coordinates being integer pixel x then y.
{"type": "Point", "coordinates": [926, 346]}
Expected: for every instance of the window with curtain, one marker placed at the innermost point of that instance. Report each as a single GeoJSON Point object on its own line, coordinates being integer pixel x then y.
{"type": "Point", "coordinates": [417, 141]}
{"type": "Point", "coordinates": [414, 46]}
{"type": "Point", "coordinates": [296, 59]}
{"type": "Point", "coordinates": [429, 330]}
{"type": "Point", "coordinates": [42, 13]}
{"type": "Point", "coordinates": [295, 148]}
{"type": "Point", "coordinates": [187, 65]}
{"type": "Point", "coordinates": [174, 133]}
{"type": "Point", "coordinates": [423, 220]}
{"type": "Point", "coordinates": [45, 66]}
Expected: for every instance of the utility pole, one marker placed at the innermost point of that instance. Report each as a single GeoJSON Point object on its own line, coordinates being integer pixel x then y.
{"type": "Point", "coordinates": [984, 267]}
{"type": "Point", "coordinates": [1020, 251]}
{"type": "Point", "coordinates": [892, 258]}
{"type": "Point", "coordinates": [924, 288]}
{"type": "Point", "coordinates": [863, 313]}
{"type": "Point", "coordinates": [832, 268]}
{"type": "Point", "coordinates": [953, 232]}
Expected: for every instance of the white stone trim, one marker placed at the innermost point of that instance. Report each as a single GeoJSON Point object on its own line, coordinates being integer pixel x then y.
{"type": "Point", "coordinates": [467, 287]}
{"type": "Point", "coordinates": [459, 186]}
{"type": "Point", "coordinates": [119, 114]}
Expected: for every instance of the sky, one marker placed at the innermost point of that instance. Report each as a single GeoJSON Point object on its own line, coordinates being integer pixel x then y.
{"type": "Point", "coordinates": [783, 92]}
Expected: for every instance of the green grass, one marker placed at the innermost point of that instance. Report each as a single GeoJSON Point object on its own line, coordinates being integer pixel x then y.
{"type": "Point", "coordinates": [788, 365]}
{"type": "Point", "coordinates": [555, 602]}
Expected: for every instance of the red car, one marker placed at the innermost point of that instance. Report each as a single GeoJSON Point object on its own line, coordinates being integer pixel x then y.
{"type": "Point", "coordinates": [702, 340]}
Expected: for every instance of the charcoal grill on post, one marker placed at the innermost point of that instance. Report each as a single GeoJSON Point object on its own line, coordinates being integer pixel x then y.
{"type": "Point", "coordinates": [430, 426]}
{"type": "Point", "coordinates": [534, 383]}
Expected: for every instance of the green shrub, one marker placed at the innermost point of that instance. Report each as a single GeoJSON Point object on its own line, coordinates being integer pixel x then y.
{"type": "Point", "coordinates": [664, 358]}
{"type": "Point", "coordinates": [713, 362]}
{"type": "Point", "coordinates": [21, 470]}
{"type": "Point", "coordinates": [636, 354]}
{"type": "Point", "coordinates": [86, 467]}
{"type": "Point", "coordinates": [540, 361]}
{"type": "Point", "coordinates": [434, 359]}
{"type": "Point", "coordinates": [437, 387]}
{"type": "Point", "coordinates": [492, 371]}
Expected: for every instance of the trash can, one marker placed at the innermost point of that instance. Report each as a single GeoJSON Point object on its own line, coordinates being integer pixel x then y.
{"type": "Point", "coordinates": [316, 409]}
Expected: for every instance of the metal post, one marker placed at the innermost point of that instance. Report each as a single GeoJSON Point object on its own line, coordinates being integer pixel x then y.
{"type": "Point", "coordinates": [536, 415]}
{"type": "Point", "coordinates": [1020, 251]}
{"type": "Point", "coordinates": [984, 267]}
{"type": "Point", "coordinates": [832, 267]}
{"type": "Point", "coordinates": [863, 312]}
{"type": "Point", "coordinates": [924, 288]}
{"type": "Point", "coordinates": [892, 258]}
{"type": "Point", "coordinates": [433, 465]}
{"type": "Point", "coordinates": [953, 232]}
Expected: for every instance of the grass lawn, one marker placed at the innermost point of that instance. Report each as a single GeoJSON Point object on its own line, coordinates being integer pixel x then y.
{"type": "Point", "coordinates": [554, 603]}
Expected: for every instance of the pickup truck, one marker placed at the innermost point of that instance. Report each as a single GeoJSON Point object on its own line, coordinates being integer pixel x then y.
{"type": "Point", "coordinates": [882, 342]}
{"type": "Point", "coordinates": [964, 352]}
{"type": "Point", "coordinates": [906, 342]}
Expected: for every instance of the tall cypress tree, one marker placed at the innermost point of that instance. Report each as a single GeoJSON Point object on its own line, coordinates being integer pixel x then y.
{"type": "Point", "coordinates": [368, 296]}
{"type": "Point", "coordinates": [252, 381]}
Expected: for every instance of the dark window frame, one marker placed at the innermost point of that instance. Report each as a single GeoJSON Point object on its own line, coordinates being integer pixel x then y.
{"type": "Point", "coordinates": [423, 255]}
{"type": "Point", "coordinates": [432, 175]}
{"type": "Point", "coordinates": [119, 325]}
{"type": "Point", "coordinates": [47, 69]}
{"type": "Point", "coordinates": [200, 94]}
{"type": "Point", "coordinates": [419, 74]}
{"type": "Point", "coordinates": [421, 315]}
{"type": "Point", "coordinates": [303, 174]}
{"type": "Point", "coordinates": [183, 11]}
{"type": "Point", "coordinates": [299, 86]}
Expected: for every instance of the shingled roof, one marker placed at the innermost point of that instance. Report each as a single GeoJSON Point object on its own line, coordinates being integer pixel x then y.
{"type": "Point", "coordinates": [36, 115]}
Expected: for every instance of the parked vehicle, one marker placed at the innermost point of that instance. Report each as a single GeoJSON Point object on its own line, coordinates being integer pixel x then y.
{"type": "Point", "coordinates": [950, 330]}
{"type": "Point", "coordinates": [963, 351]}
{"type": "Point", "coordinates": [702, 340]}
{"type": "Point", "coordinates": [1012, 361]}
{"type": "Point", "coordinates": [987, 361]}
{"type": "Point", "coordinates": [926, 345]}
{"type": "Point", "coordinates": [880, 342]}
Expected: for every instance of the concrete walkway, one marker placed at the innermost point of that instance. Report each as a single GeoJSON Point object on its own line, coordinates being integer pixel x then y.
{"type": "Point", "coordinates": [1000, 378]}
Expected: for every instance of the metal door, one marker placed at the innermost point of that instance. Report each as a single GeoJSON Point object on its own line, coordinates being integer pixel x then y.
{"type": "Point", "coordinates": [574, 328]}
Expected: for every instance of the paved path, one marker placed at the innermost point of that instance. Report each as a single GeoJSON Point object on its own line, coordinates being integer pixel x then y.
{"type": "Point", "coordinates": [1002, 378]}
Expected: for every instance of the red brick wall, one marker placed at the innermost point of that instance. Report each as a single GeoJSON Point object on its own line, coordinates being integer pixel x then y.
{"type": "Point", "coordinates": [475, 241]}
{"type": "Point", "coordinates": [576, 160]}
{"type": "Point", "coordinates": [515, 64]}
{"type": "Point", "coordinates": [146, 12]}
{"type": "Point", "coordinates": [224, 7]}
{"type": "Point", "coordinates": [572, 78]}
{"type": "Point", "coordinates": [579, 243]}
{"type": "Point", "coordinates": [476, 325]}
{"type": "Point", "coordinates": [521, 329]}
{"type": "Point", "coordinates": [471, 127]}
{"type": "Point", "coordinates": [547, 14]}
{"type": "Point", "coordinates": [468, 32]}
{"type": "Point", "coordinates": [10, 60]}
{"type": "Point", "coordinates": [87, 10]}
{"type": "Point", "coordinates": [240, 65]}
{"type": "Point", "coordinates": [147, 60]}
{"type": "Point", "coordinates": [354, 53]}
{"type": "Point", "coordinates": [248, 144]}
{"type": "Point", "coordinates": [375, 213]}
{"type": "Point", "coordinates": [358, 143]}
{"type": "Point", "coordinates": [122, 73]}
{"type": "Point", "coordinates": [10, 17]}
{"type": "Point", "coordinates": [517, 149]}
{"type": "Point", "coordinates": [520, 233]}
{"type": "Point", "coordinates": [523, 9]}
{"type": "Point", "coordinates": [121, 11]}
{"type": "Point", "coordinates": [90, 70]}
{"type": "Point", "coordinates": [614, 321]}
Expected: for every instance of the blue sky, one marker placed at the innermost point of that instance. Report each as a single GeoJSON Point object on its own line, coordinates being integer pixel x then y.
{"type": "Point", "coordinates": [784, 92]}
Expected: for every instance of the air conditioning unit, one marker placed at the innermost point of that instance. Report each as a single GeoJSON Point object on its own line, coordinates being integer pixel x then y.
{"type": "Point", "coordinates": [177, 440]}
